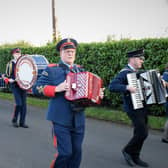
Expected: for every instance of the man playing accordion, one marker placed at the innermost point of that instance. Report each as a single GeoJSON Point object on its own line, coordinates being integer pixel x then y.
{"type": "Point", "coordinates": [67, 117]}
{"type": "Point", "coordinates": [165, 80]}
{"type": "Point", "coordinates": [132, 150]}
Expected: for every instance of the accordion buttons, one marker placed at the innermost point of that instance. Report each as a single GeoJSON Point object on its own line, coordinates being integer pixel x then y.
{"type": "Point", "coordinates": [73, 85]}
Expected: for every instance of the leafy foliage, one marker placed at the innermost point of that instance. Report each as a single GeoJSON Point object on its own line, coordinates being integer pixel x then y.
{"type": "Point", "coordinates": [105, 59]}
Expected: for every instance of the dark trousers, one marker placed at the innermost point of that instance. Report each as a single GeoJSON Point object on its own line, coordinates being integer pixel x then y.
{"type": "Point", "coordinates": [140, 133]}
{"type": "Point", "coordinates": [20, 107]}
{"type": "Point", "coordinates": [68, 144]}
{"type": "Point", "coordinates": [165, 134]}
{"type": "Point", "coordinates": [166, 107]}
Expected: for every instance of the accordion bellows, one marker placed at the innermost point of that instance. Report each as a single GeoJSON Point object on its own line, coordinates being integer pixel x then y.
{"type": "Point", "coordinates": [84, 86]}
{"type": "Point", "coordinates": [150, 89]}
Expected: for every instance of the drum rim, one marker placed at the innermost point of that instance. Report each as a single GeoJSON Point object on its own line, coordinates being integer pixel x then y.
{"type": "Point", "coordinates": [19, 82]}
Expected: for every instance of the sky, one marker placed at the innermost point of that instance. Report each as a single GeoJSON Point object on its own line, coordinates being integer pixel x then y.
{"type": "Point", "coordinates": [84, 20]}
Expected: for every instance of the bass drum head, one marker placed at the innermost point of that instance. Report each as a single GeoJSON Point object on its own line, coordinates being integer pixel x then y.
{"type": "Point", "coordinates": [28, 69]}
{"type": "Point", "coordinates": [26, 72]}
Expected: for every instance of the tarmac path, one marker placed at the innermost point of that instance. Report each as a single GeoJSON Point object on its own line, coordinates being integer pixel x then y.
{"type": "Point", "coordinates": [32, 147]}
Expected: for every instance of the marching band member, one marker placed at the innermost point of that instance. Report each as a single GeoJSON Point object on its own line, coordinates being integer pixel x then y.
{"type": "Point", "coordinates": [131, 151]}
{"type": "Point", "coordinates": [67, 118]}
{"type": "Point", "coordinates": [19, 94]}
{"type": "Point", "coordinates": [165, 80]}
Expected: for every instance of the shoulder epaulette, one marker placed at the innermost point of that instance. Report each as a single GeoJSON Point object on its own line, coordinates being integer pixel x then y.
{"type": "Point", "coordinates": [165, 73]}
{"type": "Point", "coordinates": [53, 65]}
{"type": "Point", "coordinates": [9, 68]}
{"type": "Point", "coordinates": [12, 61]}
{"type": "Point", "coordinates": [125, 69]}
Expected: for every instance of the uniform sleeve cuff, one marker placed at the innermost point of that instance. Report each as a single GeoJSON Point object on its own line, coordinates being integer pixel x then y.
{"type": "Point", "coordinates": [49, 91]}
{"type": "Point", "coordinates": [6, 80]}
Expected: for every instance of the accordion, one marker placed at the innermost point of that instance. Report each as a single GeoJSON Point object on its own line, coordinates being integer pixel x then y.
{"type": "Point", "coordinates": [150, 89]}
{"type": "Point", "coordinates": [84, 88]}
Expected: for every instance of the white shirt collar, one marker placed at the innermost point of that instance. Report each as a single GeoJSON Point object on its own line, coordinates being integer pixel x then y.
{"type": "Point", "coordinates": [67, 64]}
{"type": "Point", "coordinates": [132, 67]}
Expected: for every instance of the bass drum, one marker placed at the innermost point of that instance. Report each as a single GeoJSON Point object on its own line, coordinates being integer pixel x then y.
{"type": "Point", "coordinates": [28, 69]}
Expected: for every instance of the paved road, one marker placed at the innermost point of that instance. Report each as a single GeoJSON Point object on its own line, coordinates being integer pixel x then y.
{"type": "Point", "coordinates": [32, 148]}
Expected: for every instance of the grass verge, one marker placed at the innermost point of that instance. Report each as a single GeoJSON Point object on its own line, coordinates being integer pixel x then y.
{"type": "Point", "coordinates": [101, 113]}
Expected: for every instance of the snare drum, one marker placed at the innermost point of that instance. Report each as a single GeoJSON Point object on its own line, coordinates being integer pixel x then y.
{"type": "Point", "coordinates": [28, 69]}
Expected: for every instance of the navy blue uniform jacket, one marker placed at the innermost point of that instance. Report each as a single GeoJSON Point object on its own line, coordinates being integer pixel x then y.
{"type": "Point", "coordinates": [60, 110]}
{"type": "Point", "coordinates": [165, 77]}
{"type": "Point", "coordinates": [119, 84]}
{"type": "Point", "coordinates": [10, 72]}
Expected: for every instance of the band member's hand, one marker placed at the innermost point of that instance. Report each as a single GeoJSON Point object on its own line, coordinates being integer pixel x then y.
{"type": "Point", "coordinates": [62, 87]}
{"type": "Point", "coordinates": [3, 76]}
{"type": "Point", "coordinates": [11, 80]}
{"type": "Point", "coordinates": [102, 93]}
{"type": "Point", "coordinates": [165, 84]}
{"type": "Point", "coordinates": [131, 89]}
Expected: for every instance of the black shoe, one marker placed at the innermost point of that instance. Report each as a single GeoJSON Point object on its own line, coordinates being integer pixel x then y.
{"type": "Point", "coordinates": [164, 140]}
{"type": "Point", "coordinates": [141, 163]}
{"type": "Point", "coordinates": [128, 158]}
{"type": "Point", "coordinates": [23, 125]}
{"type": "Point", "coordinates": [15, 124]}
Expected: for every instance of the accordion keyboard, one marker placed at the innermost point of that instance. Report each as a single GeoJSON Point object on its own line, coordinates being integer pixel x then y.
{"type": "Point", "coordinates": [136, 97]}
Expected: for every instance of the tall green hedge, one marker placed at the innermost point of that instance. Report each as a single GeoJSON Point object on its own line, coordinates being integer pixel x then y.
{"type": "Point", "coordinates": [105, 59]}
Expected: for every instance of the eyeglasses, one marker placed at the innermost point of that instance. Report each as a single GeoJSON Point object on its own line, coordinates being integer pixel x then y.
{"type": "Point", "coordinates": [17, 52]}
{"type": "Point", "coordinates": [142, 58]}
